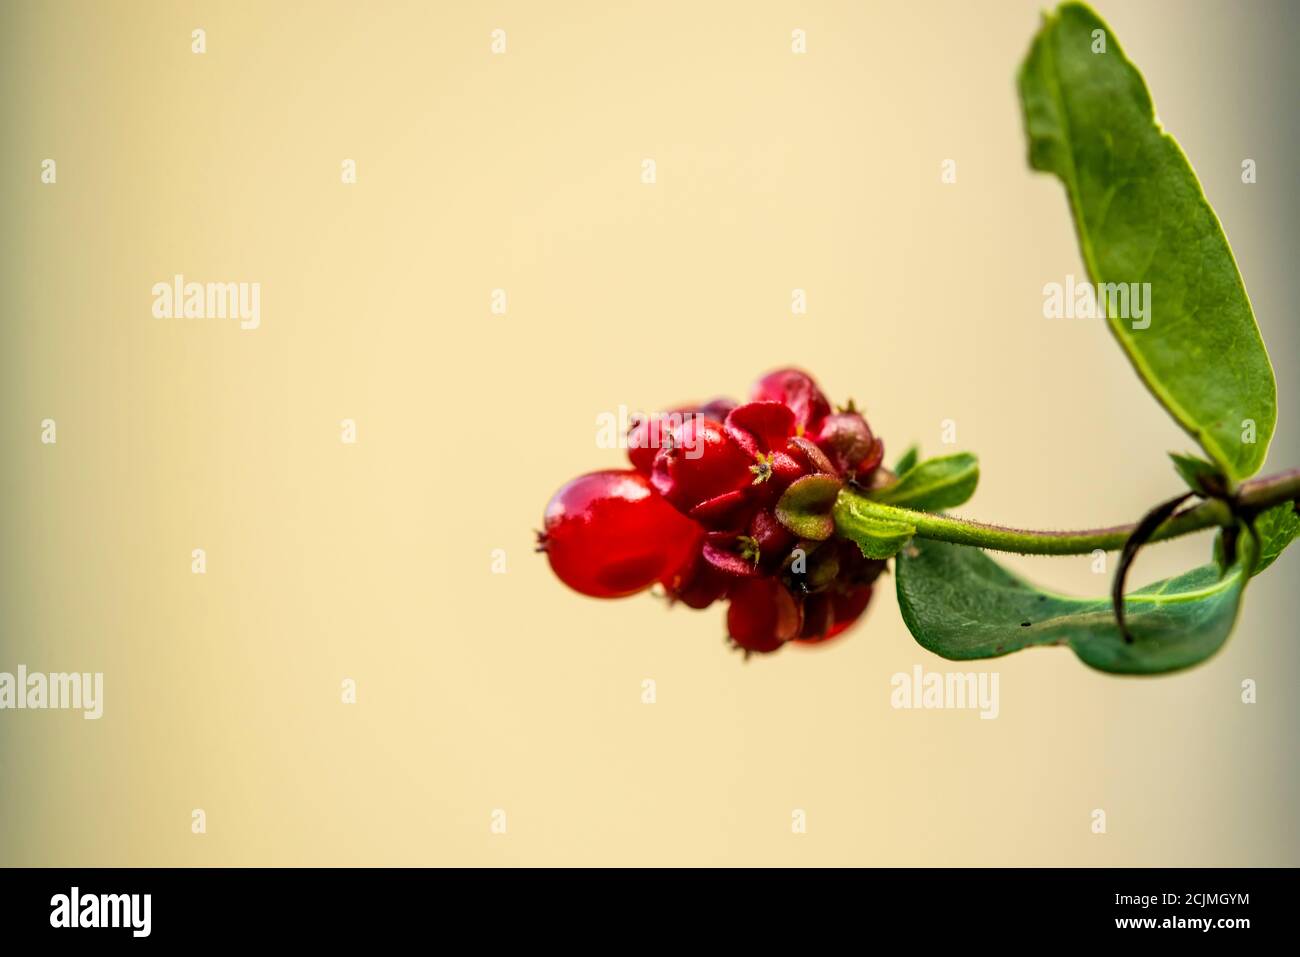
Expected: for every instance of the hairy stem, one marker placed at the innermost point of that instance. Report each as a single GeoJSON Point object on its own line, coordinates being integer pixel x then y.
{"type": "Point", "coordinates": [1211, 513]}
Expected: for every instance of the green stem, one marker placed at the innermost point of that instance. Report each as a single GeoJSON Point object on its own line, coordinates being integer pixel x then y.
{"type": "Point", "coordinates": [1211, 513]}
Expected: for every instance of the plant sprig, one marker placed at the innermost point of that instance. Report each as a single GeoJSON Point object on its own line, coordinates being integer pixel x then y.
{"type": "Point", "coordinates": [1142, 220]}
{"type": "Point", "coordinates": [1255, 495]}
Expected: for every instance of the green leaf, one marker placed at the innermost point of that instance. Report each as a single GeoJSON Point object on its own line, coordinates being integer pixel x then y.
{"type": "Point", "coordinates": [805, 507]}
{"type": "Point", "coordinates": [1141, 217]}
{"type": "Point", "coordinates": [877, 536]}
{"type": "Point", "coordinates": [1202, 477]}
{"type": "Point", "coordinates": [908, 459]}
{"type": "Point", "coordinates": [960, 604]}
{"type": "Point", "coordinates": [934, 484]}
{"type": "Point", "coordinates": [1276, 527]}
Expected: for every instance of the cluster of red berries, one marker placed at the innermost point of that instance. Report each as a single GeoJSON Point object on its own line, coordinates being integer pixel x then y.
{"type": "Point", "coordinates": [697, 513]}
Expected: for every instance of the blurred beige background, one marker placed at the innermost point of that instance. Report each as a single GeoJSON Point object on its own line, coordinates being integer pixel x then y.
{"type": "Point", "coordinates": [522, 171]}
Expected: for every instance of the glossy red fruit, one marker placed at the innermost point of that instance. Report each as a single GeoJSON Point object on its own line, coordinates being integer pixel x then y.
{"type": "Point", "coordinates": [697, 585]}
{"type": "Point", "coordinates": [651, 431]}
{"type": "Point", "coordinates": [716, 409]}
{"type": "Point", "coordinates": [836, 613]}
{"type": "Point", "coordinates": [855, 568]}
{"type": "Point", "coordinates": [797, 390]}
{"type": "Point", "coordinates": [818, 618]}
{"type": "Point", "coordinates": [608, 534]}
{"type": "Point", "coordinates": [699, 514]}
{"type": "Point", "coordinates": [702, 463]}
{"type": "Point", "coordinates": [770, 539]}
{"type": "Point", "coordinates": [847, 441]}
{"type": "Point", "coordinates": [760, 427]}
{"type": "Point", "coordinates": [648, 434]}
{"type": "Point", "coordinates": [763, 615]}
{"type": "Point", "coordinates": [765, 430]}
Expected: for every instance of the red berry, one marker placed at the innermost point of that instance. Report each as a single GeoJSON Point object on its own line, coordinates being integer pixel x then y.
{"type": "Point", "coordinates": [727, 511]}
{"type": "Point", "coordinates": [759, 427]}
{"type": "Point", "coordinates": [766, 432]}
{"type": "Point", "coordinates": [818, 618]}
{"type": "Point", "coordinates": [836, 612]}
{"type": "Point", "coordinates": [607, 534]}
{"type": "Point", "coordinates": [697, 585]}
{"type": "Point", "coordinates": [856, 568]}
{"type": "Point", "coordinates": [847, 441]}
{"type": "Point", "coordinates": [762, 615]}
{"type": "Point", "coordinates": [732, 554]}
{"type": "Point", "coordinates": [797, 390]}
{"type": "Point", "coordinates": [810, 456]}
{"type": "Point", "coordinates": [717, 409]}
{"type": "Point", "coordinates": [701, 463]}
{"type": "Point", "coordinates": [650, 432]}
{"type": "Point", "coordinates": [772, 539]}
{"type": "Point", "coordinates": [849, 608]}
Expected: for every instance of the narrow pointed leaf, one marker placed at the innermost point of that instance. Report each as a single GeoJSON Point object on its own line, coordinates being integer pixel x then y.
{"type": "Point", "coordinates": [1276, 527]}
{"type": "Point", "coordinates": [907, 460]}
{"type": "Point", "coordinates": [934, 484]}
{"type": "Point", "coordinates": [1142, 218]}
{"type": "Point", "coordinates": [1202, 477]}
